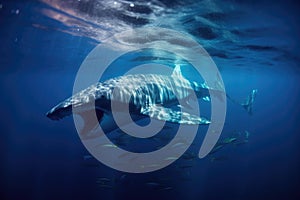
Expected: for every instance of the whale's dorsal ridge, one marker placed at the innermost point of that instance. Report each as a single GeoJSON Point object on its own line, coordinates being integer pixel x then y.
{"type": "Point", "coordinates": [177, 71]}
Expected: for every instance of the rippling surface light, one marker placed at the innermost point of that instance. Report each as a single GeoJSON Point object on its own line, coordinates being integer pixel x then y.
{"type": "Point", "coordinates": [241, 32]}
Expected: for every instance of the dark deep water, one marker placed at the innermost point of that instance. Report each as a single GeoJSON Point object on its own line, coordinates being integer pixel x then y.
{"type": "Point", "coordinates": [255, 44]}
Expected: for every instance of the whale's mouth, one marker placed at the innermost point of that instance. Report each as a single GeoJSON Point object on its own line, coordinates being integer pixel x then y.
{"type": "Point", "coordinates": [58, 113]}
{"type": "Point", "coordinates": [50, 115]}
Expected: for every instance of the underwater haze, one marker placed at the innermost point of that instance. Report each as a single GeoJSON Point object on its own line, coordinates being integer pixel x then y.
{"type": "Point", "coordinates": [255, 45]}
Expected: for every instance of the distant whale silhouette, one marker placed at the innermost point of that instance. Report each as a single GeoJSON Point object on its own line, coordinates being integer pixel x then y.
{"type": "Point", "coordinates": [154, 97]}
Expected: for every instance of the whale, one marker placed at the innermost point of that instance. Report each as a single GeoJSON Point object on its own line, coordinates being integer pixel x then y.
{"type": "Point", "coordinates": [148, 95]}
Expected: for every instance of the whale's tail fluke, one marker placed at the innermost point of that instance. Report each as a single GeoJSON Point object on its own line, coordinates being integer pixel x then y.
{"type": "Point", "coordinates": [248, 104]}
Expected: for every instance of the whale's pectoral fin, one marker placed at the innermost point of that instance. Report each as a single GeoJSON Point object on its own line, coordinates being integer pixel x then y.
{"type": "Point", "coordinates": [169, 115]}
{"type": "Point", "coordinates": [248, 104]}
{"type": "Point", "coordinates": [89, 120]}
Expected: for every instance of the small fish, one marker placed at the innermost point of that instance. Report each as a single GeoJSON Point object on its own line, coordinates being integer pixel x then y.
{"type": "Point", "coordinates": [120, 144]}
{"type": "Point", "coordinates": [185, 166]}
{"type": "Point", "coordinates": [153, 165]}
{"type": "Point", "coordinates": [241, 143]}
{"type": "Point", "coordinates": [159, 147]}
{"type": "Point", "coordinates": [215, 149]}
{"type": "Point", "coordinates": [87, 157]}
{"type": "Point", "coordinates": [219, 158]}
{"type": "Point", "coordinates": [247, 134]}
{"type": "Point", "coordinates": [153, 184]}
{"type": "Point", "coordinates": [185, 179]}
{"type": "Point", "coordinates": [165, 189]}
{"type": "Point", "coordinates": [120, 179]}
{"type": "Point", "coordinates": [106, 186]}
{"type": "Point", "coordinates": [124, 155]}
{"type": "Point", "coordinates": [229, 140]}
{"type": "Point", "coordinates": [164, 138]}
{"type": "Point", "coordinates": [189, 156]}
{"type": "Point", "coordinates": [188, 173]}
{"type": "Point", "coordinates": [103, 181]}
{"type": "Point", "coordinates": [171, 158]}
{"type": "Point", "coordinates": [91, 164]}
{"type": "Point", "coordinates": [167, 127]}
{"type": "Point", "coordinates": [177, 144]}
{"type": "Point", "coordinates": [110, 145]}
{"type": "Point", "coordinates": [120, 131]}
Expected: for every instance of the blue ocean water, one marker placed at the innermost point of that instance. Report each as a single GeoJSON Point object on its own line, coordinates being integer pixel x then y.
{"type": "Point", "coordinates": [255, 45]}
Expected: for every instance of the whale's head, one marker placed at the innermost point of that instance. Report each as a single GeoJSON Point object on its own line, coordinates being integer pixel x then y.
{"type": "Point", "coordinates": [76, 103]}
{"type": "Point", "coordinates": [60, 111]}
{"type": "Point", "coordinates": [95, 97]}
